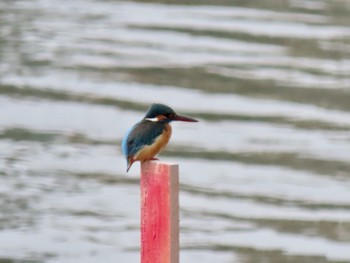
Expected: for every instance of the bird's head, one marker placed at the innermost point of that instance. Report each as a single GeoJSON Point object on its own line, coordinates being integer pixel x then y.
{"type": "Point", "coordinates": [162, 113]}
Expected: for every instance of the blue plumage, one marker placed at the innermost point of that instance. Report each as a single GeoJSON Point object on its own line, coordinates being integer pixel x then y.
{"type": "Point", "coordinates": [141, 134]}
{"type": "Point", "coordinates": [146, 138]}
{"type": "Point", "coordinates": [124, 141]}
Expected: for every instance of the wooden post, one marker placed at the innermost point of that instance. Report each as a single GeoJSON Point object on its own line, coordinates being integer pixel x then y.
{"type": "Point", "coordinates": [159, 212]}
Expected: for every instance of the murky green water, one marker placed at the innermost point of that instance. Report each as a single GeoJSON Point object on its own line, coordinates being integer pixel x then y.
{"type": "Point", "coordinates": [265, 174]}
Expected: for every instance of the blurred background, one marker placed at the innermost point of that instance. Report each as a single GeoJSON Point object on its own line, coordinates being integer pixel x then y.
{"type": "Point", "coordinates": [265, 174]}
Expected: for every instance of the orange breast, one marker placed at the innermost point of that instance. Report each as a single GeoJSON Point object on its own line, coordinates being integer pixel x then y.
{"type": "Point", "coordinates": [149, 151]}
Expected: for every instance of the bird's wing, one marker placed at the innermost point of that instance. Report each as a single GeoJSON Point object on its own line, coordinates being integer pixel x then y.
{"type": "Point", "coordinates": [141, 134]}
{"type": "Point", "coordinates": [125, 141]}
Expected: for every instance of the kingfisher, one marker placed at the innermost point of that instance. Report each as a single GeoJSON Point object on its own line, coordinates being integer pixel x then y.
{"type": "Point", "coordinates": [148, 137]}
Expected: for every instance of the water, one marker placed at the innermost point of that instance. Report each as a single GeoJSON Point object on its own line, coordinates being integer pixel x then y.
{"type": "Point", "coordinates": [264, 174]}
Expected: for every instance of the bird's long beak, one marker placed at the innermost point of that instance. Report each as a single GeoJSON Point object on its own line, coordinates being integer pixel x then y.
{"type": "Point", "coordinates": [183, 118]}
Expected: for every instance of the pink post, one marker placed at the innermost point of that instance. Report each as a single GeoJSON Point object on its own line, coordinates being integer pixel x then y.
{"type": "Point", "coordinates": [159, 212]}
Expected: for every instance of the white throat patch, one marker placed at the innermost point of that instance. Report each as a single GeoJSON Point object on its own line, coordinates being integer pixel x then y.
{"type": "Point", "coordinates": [152, 119]}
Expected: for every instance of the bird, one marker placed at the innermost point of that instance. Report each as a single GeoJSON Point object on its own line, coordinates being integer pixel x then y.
{"type": "Point", "coordinates": [148, 137]}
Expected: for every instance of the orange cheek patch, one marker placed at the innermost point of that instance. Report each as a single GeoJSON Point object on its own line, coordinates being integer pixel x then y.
{"type": "Point", "coordinates": [161, 117]}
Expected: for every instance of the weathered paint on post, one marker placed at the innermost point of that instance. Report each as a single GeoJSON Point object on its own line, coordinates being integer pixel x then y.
{"type": "Point", "coordinates": [159, 212]}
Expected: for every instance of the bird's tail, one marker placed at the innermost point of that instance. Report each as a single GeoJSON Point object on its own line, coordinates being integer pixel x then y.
{"type": "Point", "coordinates": [129, 161]}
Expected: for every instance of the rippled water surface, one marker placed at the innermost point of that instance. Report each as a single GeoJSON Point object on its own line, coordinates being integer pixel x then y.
{"type": "Point", "coordinates": [265, 174]}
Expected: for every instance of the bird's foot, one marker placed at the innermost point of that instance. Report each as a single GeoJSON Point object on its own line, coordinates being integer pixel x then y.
{"type": "Point", "coordinates": [154, 159]}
